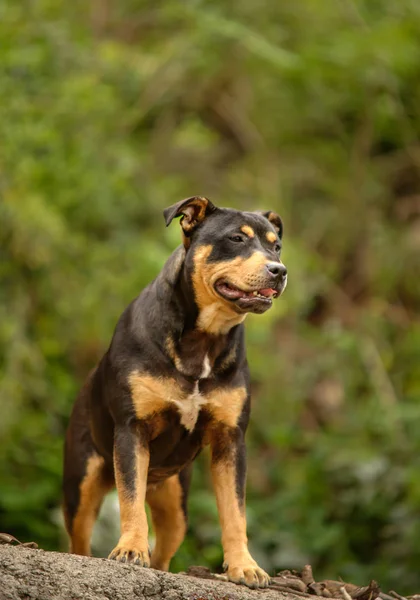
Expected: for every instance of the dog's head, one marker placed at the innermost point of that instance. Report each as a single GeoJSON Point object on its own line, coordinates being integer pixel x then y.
{"type": "Point", "coordinates": [233, 256]}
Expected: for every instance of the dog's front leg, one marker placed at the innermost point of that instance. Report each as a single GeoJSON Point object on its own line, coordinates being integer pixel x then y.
{"type": "Point", "coordinates": [228, 467]}
{"type": "Point", "coordinates": [131, 463]}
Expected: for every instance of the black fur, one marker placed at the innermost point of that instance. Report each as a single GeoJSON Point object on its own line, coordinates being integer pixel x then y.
{"type": "Point", "coordinates": [104, 416]}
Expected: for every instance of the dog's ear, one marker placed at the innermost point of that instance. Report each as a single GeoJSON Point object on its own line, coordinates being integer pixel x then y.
{"type": "Point", "coordinates": [275, 220]}
{"type": "Point", "coordinates": [193, 210]}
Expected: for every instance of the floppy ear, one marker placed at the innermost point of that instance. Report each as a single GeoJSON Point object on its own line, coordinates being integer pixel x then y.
{"type": "Point", "coordinates": [275, 220]}
{"type": "Point", "coordinates": [193, 210]}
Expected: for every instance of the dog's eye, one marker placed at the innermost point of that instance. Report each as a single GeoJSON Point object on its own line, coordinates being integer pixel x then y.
{"type": "Point", "coordinates": [277, 248]}
{"type": "Point", "coordinates": [236, 238]}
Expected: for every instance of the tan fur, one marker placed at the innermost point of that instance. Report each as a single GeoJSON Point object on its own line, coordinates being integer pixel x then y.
{"type": "Point", "coordinates": [134, 528]}
{"type": "Point", "coordinates": [150, 394]}
{"type": "Point", "coordinates": [248, 231]}
{"type": "Point", "coordinates": [240, 563]}
{"type": "Point", "coordinates": [92, 490]}
{"type": "Point", "coordinates": [165, 501]}
{"type": "Point", "coordinates": [154, 394]}
{"type": "Point", "coordinates": [188, 221]}
{"type": "Point", "coordinates": [218, 316]}
{"type": "Point", "coordinates": [232, 517]}
{"type": "Point", "coordinates": [170, 347]}
{"type": "Point", "coordinates": [225, 404]}
{"type": "Point", "coordinates": [271, 237]}
{"type": "Point", "coordinates": [217, 319]}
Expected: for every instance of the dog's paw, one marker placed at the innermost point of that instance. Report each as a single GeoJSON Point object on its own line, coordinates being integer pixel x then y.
{"type": "Point", "coordinates": [131, 553]}
{"type": "Point", "coordinates": [248, 574]}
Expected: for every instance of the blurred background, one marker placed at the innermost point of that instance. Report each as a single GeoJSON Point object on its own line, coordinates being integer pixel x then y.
{"type": "Point", "coordinates": [111, 111]}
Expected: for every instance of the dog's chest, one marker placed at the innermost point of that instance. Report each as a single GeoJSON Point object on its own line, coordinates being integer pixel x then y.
{"type": "Point", "coordinates": [194, 357]}
{"type": "Point", "coordinates": [189, 406]}
{"type": "Point", "coordinates": [153, 395]}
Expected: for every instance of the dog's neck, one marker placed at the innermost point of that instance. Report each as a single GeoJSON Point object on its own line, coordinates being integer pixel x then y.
{"type": "Point", "coordinates": [215, 319]}
{"type": "Point", "coordinates": [186, 301]}
{"type": "Point", "coordinates": [193, 348]}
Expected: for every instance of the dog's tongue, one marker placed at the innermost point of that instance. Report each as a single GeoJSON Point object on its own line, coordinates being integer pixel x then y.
{"type": "Point", "coordinates": [267, 292]}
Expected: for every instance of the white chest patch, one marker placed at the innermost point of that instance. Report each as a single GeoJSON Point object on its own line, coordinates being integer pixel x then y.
{"type": "Point", "coordinates": [206, 367]}
{"type": "Point", "coordinates": [190, 406]}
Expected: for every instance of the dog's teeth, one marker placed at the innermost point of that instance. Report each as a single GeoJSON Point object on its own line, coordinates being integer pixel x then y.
{"type": "Point", "coordinates": [255, 293]}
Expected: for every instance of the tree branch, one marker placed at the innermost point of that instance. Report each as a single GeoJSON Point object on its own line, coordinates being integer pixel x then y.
{"type": "Point", "coordinates": [27, 574]}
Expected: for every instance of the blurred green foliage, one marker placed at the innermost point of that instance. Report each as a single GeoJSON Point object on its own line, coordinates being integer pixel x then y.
{"type": "Point", "coordinates": [111, 111]}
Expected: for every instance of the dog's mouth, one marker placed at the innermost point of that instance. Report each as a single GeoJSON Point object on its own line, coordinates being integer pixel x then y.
{"type": "Point", "coordinates": [252, 300]}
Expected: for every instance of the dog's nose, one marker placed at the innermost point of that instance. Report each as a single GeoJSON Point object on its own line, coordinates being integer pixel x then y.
{"type": "Point", "coordinates": [277, 270]}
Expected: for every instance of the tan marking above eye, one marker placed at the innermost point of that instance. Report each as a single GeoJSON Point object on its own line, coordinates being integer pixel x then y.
{"type": "Point", "coordinates": [247, 230]}
{"type": "Point", "coordinates": [271, 237]}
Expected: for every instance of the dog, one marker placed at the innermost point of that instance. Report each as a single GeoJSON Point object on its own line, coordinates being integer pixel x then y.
{"type": "Point", "coordinates": [175, 379]}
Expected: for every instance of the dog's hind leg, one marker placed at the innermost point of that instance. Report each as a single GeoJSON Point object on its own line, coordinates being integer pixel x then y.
{"type": "Point", "coordinates": [167, 502]}
{"type": "Point", "coordinates": [82, 503]}
{"type": "Point", "coordinates": [86, 481]}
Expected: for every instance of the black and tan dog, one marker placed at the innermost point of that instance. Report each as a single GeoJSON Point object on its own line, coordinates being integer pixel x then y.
{"type": "Point", "coordinates": [174, 379]}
